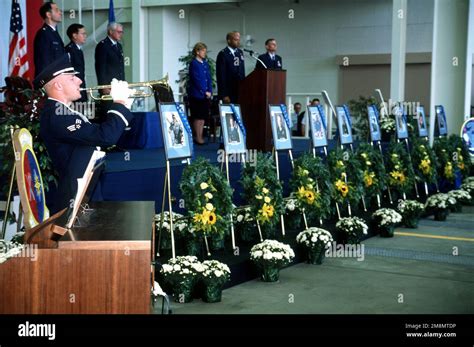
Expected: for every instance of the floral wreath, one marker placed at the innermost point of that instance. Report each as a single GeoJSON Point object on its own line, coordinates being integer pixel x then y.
{"type": "Point", "coordinates": [462, 157]}
{"type": "Point", "coordinates": [262, 190]}
{"type": "Point", "coordinates": [444, 151]}
{"type": "Point", "coordinates": [371, 164]}
{"type": "Point", "coordinates": [425, 162]}
{"type": "Point", "coordinates": [399, 168]}
{"type": "Point", "coordinates": [311, 186]}
{"type": "Point", "coordinates": [347, 177]}
{"type": "Point", "coordinates": [207, 198]}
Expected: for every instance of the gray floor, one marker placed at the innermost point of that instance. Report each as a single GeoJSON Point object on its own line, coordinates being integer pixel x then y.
{"type": "Point", "coordinates": [404, 274]}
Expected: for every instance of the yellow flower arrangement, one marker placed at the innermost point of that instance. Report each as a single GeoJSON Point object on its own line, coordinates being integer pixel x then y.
{"type": "Point", "coordinates": [369, 178]}
{"type": "Point", "coordinates": [397, 177]}
{"type": "Point", "coordinates": [342, 187]}
{"type": "Point", "coordinates": [448, 170]}
{"type": "Point", "coordinates": [425, 166]}
{"type": "Point", "coordinates": [266, 212]}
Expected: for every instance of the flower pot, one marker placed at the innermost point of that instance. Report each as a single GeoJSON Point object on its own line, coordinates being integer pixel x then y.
{"type": "Point", "coordinates": [270, 274]}
{"type": "Point", "coordinates": [349, 239]}
{"type": "Point", "coordinates": [441, 214]}
{"type": "Point", "coordinates": [316, 255]}
{"type": "Point", "coordinates": [212, 292]}
{"type": "Point", "coordinates": [457, 208]}
{"type": "Point", "coordinates": [182, 292]}
{"type": "Point", "coordinates": [386, 230]}
{"type": "Point", "coordinates": [411, 222]}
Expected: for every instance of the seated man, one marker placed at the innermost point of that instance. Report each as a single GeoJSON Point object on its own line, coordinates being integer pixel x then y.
{"type": "Point", "coordinates": [68, 135]}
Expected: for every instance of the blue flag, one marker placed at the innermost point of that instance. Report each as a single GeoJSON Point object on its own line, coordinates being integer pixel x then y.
{"type": "Point", "coordinates": [111, 12]}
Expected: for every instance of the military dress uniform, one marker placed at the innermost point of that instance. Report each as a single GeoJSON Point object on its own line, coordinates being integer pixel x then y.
{"type": "Point", "coordinates": [76, 56]}
{"type": "Point", "coordinates": [71, 139]}
{"type": "Point", "coordinates": [109, 61]}
{"type": "Point", "coordinates": [48, 47]}
{"type": "Point", "coordinates": [272, 62]}
{"type": "Point", "coordinates": [230, 70]}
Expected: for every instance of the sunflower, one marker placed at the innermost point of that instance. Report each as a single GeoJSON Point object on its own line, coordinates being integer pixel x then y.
{"type": "Point", "coordinates": [212, 218]}
{"type": "Point", "coordinates": [301, 192]}
{"type": "Point", "coordinates": [342, 187]}
{"type": "Point", "coordinates": [267, 211]}
{"type": "Point", "coordinates": [369, 178]}
{"type": "Point", "coordinates": [425, 166]}
{"type": "Point", "coordinates": [310, 197]}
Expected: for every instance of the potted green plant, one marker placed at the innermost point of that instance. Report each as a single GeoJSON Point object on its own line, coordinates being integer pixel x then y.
{"type": "Point", "coordinates": [440, 204]}
{"type": "Point", "coordinates": [386, 219]}
{"type": "Point", "coordinates": [214, 276]}
{"type": "Point", "coordinates": [351, 229]}
{"type": "Point", "coordinates": [270, 256]}
{"type": "Point", "coordinates": [360, 118]}
{"type": "Point", "coordinates": [411, 211]}
{"type": "Point", "coordinates": [315, 241]}
{"type": "Point", "coordinates": [181, 274]}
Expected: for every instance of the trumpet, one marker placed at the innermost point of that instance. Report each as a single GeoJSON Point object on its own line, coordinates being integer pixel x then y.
{"type": "Point", "coordinates": [137, 93]}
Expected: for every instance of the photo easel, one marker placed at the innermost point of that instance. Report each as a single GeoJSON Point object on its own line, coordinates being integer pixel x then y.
{"type": "Point", "coordinates": [407, 144]}
{"type": "Point", "coordinates": [184, 155]}
{"type": "Point", "coordinates": [424, 137]}
{"type": "Point", "coordinates": [379, 145]}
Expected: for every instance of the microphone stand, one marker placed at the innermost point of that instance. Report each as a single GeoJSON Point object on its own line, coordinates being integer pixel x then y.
{"type": "Point", "coordinates": [257, 59]}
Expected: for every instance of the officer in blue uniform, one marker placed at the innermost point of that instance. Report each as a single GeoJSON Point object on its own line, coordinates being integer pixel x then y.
{"type": "Point", "coordinates": [68, 135]}
{"type": "Point", "coordinates": [109, 61]}
{"type": "Point", "coordinates": [271, 60]}
{"type": "Point", "coordinates": [48, 45]}
{"type": "Point", "coordinates": [77, 34]}
{"type": "Point", "coordinates": [230, 69]}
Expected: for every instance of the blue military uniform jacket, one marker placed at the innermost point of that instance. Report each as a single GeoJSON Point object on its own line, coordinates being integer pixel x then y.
{"type": "Point", "coordinates": [109, 62]}
{"type": "Point", "coordinates": [48, 47]}
{"type": "Point", "coordinates": [71, 139]}
{"type": "Point", "coordinates": [230, 70]}
{"type": "Point", "coordinates": [275, 64]}
{"type": "Point", "coordinates": [76, 56]}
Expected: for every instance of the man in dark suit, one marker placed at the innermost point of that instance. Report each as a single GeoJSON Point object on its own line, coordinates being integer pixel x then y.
{"type": "Point", "coordinates": [69, 136]}
{"type": "Point", "coordinates": [271, 60]}
{"type": "Point", "coordinates": [109, 62]}
{"type": "Point", "coordinates": [48, 45]}
{"type": "Point", "coordinates": [230, 69]}
{"type": "Point", "coordinates": [77, 34]}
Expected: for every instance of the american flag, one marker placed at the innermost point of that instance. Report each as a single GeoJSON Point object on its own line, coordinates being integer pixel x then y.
{"type": "Point", "coordinates": [17, 57]}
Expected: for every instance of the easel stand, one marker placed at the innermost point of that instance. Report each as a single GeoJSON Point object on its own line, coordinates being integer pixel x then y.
{"type": "Point", "coordinates": [317, 185]}
{"type": "Point", "coordinates": [277, 164]}
{"type": "Point", "coordinates": [232, 231]}
{"type": "Point", "coordinates": [167, 195]}
{"type": "Point", "coordinates": [10, 193]}
{"type": "Point", "coordinates": [383, 163]}
{"type": "Point", "coordinates": [411, 163]}
{"type": "Point", "coordinates": [349, 210]}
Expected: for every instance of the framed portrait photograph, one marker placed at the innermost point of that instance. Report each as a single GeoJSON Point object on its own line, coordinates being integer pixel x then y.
{"type": "Point", "coordinates": [177, 138]}
{"type": "Point", "coordinates": [441, 120]}
{"type": "Point", "coordinates": [280, 129]}
{"type": "Point", "coordinates": [234, 139]}
{"type": "Point", "coordinates": [421, 122]}
{"type": "Point", "coordinates": [374, 126]}
{"type": "Point", "coordinates": [467, 134]}
{"type": "Point", "coordinates": [317, 125]}
{"type": "Point", "coordinates": [344, 125]}
{"type": "Point", "coordinates": [401, 122]}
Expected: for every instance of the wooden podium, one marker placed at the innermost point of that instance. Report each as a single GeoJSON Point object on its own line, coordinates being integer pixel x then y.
{"type": "Point", "coordinates": [102, 266]}
{"type": "Point", "coordinates": [256, 92]}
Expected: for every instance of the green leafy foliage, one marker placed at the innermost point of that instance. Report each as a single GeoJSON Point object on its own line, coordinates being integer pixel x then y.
{"type": "Point", "coordinates": [372, 166]}
{"type": "Point", "coordinates": [401, 176]}
{"type": "Point", "coordinates": [360, 120]}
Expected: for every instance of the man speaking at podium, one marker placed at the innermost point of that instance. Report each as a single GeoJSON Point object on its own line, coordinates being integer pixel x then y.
{"type": "Point", "coordinates": [69, 136]}
{"type": "Point", "coordinates": [271, 60]}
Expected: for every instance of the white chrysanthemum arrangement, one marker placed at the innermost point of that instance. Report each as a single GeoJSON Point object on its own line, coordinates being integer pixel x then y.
{"type": "Point", "coordinates": [181, 268]}
{"type": "Point", "coordinates": [354, 226]}
{"type": "Point", "coordinates": [244, 215]}
{"type": "Point", "coordinates": [315, 237]}
{"type": "Point", "coordinates": [440, 201]}
{"type": "Point", "coordinates": [272, 251]}
{"type": "Point", "coordinates": [9, 250]}
{"type": "Point", "coordinates": [460, 195]}
{"type": "Point", "coordinates": [386, 217]}
{"type": "Point", "coordinates": [215, 272]}
{"type": "Point", "coordinates": [413, 207]}
{"type": "Point", "coordinates": [179, 223]}
{"type": "Point", "coordinates": [387, 124]}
